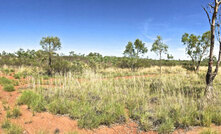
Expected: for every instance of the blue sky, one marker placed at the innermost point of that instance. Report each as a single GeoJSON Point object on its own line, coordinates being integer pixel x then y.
{"type": "Point", "coordinates": [103, 26]}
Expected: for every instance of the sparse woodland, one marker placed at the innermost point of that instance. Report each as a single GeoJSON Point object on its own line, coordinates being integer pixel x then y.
{"type": "Point", "coordinates": [158, 95]}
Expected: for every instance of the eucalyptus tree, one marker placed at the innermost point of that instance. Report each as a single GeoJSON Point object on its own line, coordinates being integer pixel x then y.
{"type": "Point", "coordinates": [169, 56]}
{"type": "Point", "coordinates": [213, 14]}
{"type": "Point", "coordinates": [134, 51]}
{"type": "Point", "coordinates": [196, 47]}
{"type": "Point", "coordinates": [159, 48]}
{"type": "Point", "coordinates": [95, 61]}
{"type": "Point", "coordinates": [50, 45]}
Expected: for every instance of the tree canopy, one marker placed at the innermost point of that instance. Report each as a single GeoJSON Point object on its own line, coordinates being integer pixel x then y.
{"type": "Point", "coordinates": [196, 47]}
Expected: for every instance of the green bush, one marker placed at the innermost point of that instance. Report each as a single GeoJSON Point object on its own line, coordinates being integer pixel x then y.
{"type": "Point", "coordinates": [207, 119]}
{"type": "Point", "coordinates": [109, 114]}
{"type": "Point", "coordinates": [156, 86]}
{"type": "Point", "coordinates": [17, 76]}
{"type": "Point", "coordinates": [5, 81]}
{"type": "Point", "coordinates": [166, 127]}
{"type": "Point", "coordinates": [14, 129]}
{"type": "Point", "coordinates": [6, 124]}
{"type": "Point", "coordinates": [216, 118]}
{"type": "Point", "coordinates": [59, 106]}
{"type": "Point", "coordinates": [6, 71]}
{"type": "Point", "coordinates": [78, 109]}
{"type": "Point", "coordinates": [34, 101]}
{"type": "Point", "coordinates": [15, 113]}
{"type": "Point", "coordinates": [145, 123]}
{"type": "Point", "coordinates": [11, 128]}
{"type": "Point", "coordinates": [9, 88]}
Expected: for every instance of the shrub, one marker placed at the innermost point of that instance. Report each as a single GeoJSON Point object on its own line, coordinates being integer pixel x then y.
{"type": "Point", "coordinates": [216, 118]}
{"type": "Point", "coordinates": [15, 113]}
{"type": "Point", "coordinates": [59, 106]}
{"type": "Point", "coordinates": [17, 76]}
{"type": "Point", "coordinates": [111, 113]}
{"type": "Point", "coordinates": [207, 118]}
{"type": "Point", "coordinates": [5, 81]}
{"type": "Point", "coordinates": [9, 88]}
{"type": "Point", "coordinates": [34, 101]}
{"type": "Point", "coordinates": [145, 123]}
{"type": "Point", "coordinates": [11, 128]}
{"type": "Point", "coordinates": [166, 127]}
{"type": "Point", "coordinates": [208, 131]}
{"type": "Point", "coordinates": [6, 71]}
{"type": "Point", "coordinates": [14, 129]}
{"type": "Point", "coordinates": [78, 109]}
{"type": "Point", "coordinates": [156, 86]}
{"type": "Point", "coordinates": [6, 124]}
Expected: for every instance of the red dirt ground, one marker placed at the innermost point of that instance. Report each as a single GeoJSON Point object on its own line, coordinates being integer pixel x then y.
{"type": "Point", "coordinates": [49, 122]}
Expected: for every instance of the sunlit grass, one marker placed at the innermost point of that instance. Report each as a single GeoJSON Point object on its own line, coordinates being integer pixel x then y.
{"type": "Point", "coordinates": [158, 102]}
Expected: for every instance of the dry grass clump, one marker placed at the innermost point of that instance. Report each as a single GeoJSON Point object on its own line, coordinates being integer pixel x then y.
{"type": "Point", "coordinates": [161, 103]}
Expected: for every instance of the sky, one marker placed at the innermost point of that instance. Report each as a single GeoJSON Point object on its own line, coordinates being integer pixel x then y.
{"type": "Point", "coordinates": [103, 26]}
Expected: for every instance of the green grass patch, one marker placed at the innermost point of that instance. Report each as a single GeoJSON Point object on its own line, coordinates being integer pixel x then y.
{"type": "Point", "coordinates": [11, 128]}
{"type": "Point", "coordinates": [14, 113]}
{"type": "Point", "coordinates": [34, 101]}
{"type": "Point", "coordinates": [9, 88]}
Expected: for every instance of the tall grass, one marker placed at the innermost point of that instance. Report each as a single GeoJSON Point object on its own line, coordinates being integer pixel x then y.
{"type": "Point", "coordinates": [162, 103]}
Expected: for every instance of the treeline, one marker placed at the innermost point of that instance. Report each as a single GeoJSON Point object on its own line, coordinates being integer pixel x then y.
{"type": "Point", "coordinates": [78, 62]}
{"type": "Point", "coordinates": [51, 62]}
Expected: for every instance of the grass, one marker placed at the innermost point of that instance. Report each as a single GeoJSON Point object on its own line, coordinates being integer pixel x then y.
{"type": "Point", "coordinates": [161, 103]}
{"type": "Point", "coordinates": [11, 128]}
{"type": "Point", "coordinates": [8, 85]}
{"type": "Point", "coordinates": [9, 88]}
{"type": "Point", "coordinates": [5, 81]}
{"type": "Point", "coordinates": [14, 113]}
{"type": "Point", "coordinates": [208, 131]}
{"type": "Point", "coordinates": [33, 100]}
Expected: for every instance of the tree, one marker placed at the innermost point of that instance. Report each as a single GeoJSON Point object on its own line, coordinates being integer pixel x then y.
{"type": "Point", "coordinates": [95, 61]}
{"type": "Point", "coordinates": [214, 22]}
{"type": "Point", "coordinates": [134, 51]}
{"type": "Point", "coordinates": [50, 45]}
{"type": "Point", "coordinates": [159, 48]}
{"type": "Point", "coordinates": [169, 56]}
{"type": "Point", "coordinates": [196, 47]}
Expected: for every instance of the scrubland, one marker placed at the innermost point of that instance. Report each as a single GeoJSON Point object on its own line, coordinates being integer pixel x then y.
{"type": "Point", "coordinates": [161, 103]}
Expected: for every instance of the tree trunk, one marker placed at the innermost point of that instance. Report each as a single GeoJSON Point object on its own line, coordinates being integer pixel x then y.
{"type": "Point", "coordinates": [210, 76]}
{"type": "Point", "coordinates": [50, 65]}
{"type": "Point", "coordinates": [209, 91]}
{"type": "Point", "coordinates": [198, 66]}
{"type": "Point", "coordinates": [160, 64]}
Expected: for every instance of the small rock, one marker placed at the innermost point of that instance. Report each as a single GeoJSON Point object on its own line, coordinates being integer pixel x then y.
{"type": "Point", "coordinates": [57, 131]}
{"type": "Point", "coordinates": [28, 122]}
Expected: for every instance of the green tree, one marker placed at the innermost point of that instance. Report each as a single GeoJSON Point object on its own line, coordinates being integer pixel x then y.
{"type": "Point", "coordinates": [159, 48]}
{"type": "Point", "coordinates": [50, 45]}
{"type": "Point", "coordinates": [95, 61]}
{"type": "Point", "coordinates": [134, 51]}
{"type": "Point", "coordinates": [169, 56]}
{"type": "Point", "coordinates": [196, 47]}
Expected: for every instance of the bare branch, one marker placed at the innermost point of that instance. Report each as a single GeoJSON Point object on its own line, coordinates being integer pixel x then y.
{"type": "Point", "coordinates": [211, 5]}
{"type": "Point", "coordinates": [207, 15]}
{"type": "Point", "coordinates": [219, 56]}
{"type": "Point", "coordinates": [219, 2]}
